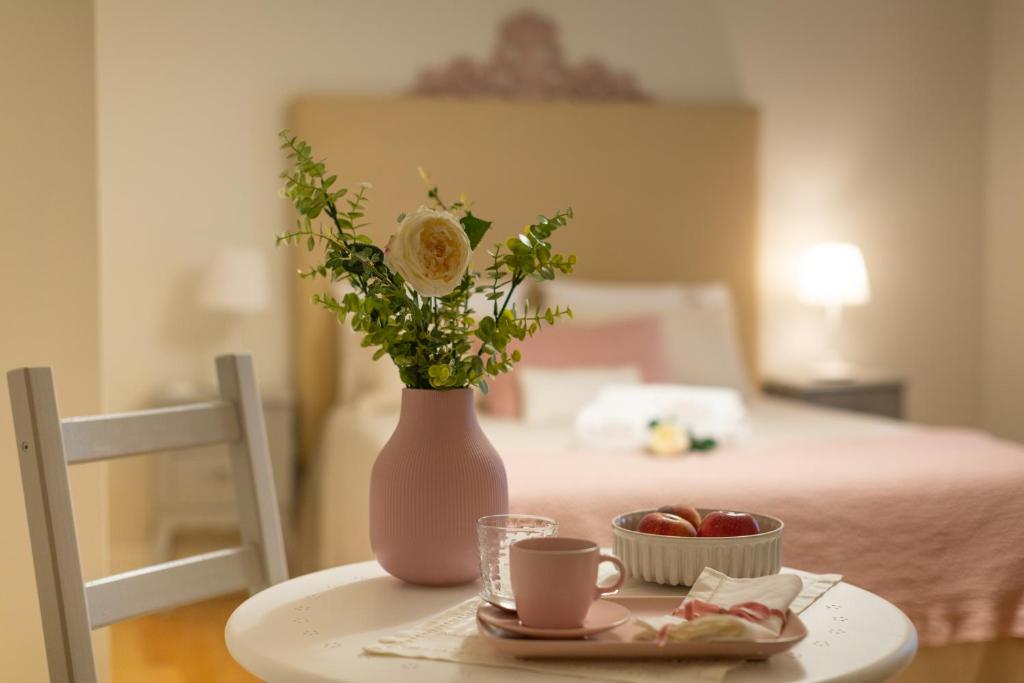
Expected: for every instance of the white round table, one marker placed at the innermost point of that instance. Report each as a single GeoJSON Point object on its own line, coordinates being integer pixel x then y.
{"type": "Point", "coordinates": [313, 628]}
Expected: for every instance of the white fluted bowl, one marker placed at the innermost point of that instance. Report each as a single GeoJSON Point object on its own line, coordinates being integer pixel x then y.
{"type": "Point", "coordinates": [678, 561]}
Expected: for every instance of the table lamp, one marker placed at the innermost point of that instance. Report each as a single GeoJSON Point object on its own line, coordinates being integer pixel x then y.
{"type": "Point", "coordinates": [236, 281]}
{"type": "Point", "coordinates": [235, 284]}
{"type": "Point", "coordinates": [833, 275]}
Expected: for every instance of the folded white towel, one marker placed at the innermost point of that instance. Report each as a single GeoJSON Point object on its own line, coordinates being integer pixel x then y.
{"type": "Point", "coordinates": [619, 417]}
{"type": "Point", "coordinates": [722, 608]}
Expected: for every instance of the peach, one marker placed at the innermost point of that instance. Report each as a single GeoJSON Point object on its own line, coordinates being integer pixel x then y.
{"type": "Point", "coordinates": [665, 524]}
{"type": "Point", "coordinates": [723, 523]}
{"type": "Point", "coordinates": [688, 513]}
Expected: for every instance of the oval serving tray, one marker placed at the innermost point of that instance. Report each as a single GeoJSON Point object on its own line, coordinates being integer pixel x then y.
{"type": "Point", "coordinates": [619, 643]}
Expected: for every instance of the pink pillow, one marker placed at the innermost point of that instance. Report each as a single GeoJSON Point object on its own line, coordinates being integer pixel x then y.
{"type": "Point", "coordinates": [636, 342]}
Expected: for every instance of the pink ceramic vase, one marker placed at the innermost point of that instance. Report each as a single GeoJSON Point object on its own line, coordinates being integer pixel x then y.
{"type": "Point", "coordinates": [435, 477]}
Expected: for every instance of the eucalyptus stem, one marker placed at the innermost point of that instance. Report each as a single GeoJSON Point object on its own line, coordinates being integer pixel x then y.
{"type": "Point", "coordinates": [428, 341]}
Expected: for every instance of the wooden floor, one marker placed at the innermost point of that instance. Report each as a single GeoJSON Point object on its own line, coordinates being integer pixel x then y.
{"type": "Point", "coordinates": [184, 645]}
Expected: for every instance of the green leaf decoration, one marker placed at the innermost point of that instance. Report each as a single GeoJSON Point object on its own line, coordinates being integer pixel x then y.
{"type": "Point", "coordinates": [475, 228]}
{"type": "Point", "coordinates": [702, 445]}
{"type": "Point", "coordinates": [436, 343]}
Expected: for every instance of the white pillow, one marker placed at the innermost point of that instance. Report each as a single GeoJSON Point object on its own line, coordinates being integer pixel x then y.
{"type": "Point", "coordinates": [596, 302]}
{"type": "Point", "coordinates": [553, 396]}
{"type": "Point", "coordinates": [698, 322]}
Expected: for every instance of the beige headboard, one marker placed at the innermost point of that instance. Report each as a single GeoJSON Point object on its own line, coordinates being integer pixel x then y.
{"type": "Point", "coordinates": [661, 192]}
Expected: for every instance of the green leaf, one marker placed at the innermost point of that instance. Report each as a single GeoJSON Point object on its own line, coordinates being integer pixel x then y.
{"type": "Point", "coordinates": [433, 342]}
{"type": "Point", "coordinates": [475, 228]}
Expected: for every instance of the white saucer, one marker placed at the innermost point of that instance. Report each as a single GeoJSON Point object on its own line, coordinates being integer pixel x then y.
{"type": "Point", "coordinates": [604, 615]}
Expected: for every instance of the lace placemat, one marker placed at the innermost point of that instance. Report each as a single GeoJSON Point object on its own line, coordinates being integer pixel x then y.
{"type": "Point", "coordinates": [451, 636]}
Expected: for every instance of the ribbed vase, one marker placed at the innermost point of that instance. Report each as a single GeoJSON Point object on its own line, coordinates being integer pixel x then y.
{"type": "Point", "coordinates": [434, 478]}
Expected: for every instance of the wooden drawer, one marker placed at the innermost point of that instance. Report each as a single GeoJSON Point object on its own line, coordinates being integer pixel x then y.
{"type": "Point", "coordinates": [888, 403]}
{"type": "Point", "coordinates": [874, 398]}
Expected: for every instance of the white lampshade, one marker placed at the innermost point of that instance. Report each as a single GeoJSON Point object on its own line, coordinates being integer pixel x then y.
{"type": "Point", "coordinates": [236, 281]}
{"type": "Point", "coordinates": [833, 274]}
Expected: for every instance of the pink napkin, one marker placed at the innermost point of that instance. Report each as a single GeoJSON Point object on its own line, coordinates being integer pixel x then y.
{"type": "Point", "coordinates": [722, 608]}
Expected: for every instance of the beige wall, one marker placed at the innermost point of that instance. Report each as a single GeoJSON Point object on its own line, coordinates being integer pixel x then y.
{"type": "Point", "coordinates": [49, 276]}
{"type": "Point", "coordinates": [873, 116]}
{"type": "Point", "coordinates": [873, 132]}
{"type": "Point", "coordinates": [1004, 331]}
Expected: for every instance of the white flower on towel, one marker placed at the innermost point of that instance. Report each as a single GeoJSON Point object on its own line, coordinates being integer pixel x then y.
{"type": "Point", "coordinates": [667, 438]}
{"type": "Point", "coordinates": [430, 250]}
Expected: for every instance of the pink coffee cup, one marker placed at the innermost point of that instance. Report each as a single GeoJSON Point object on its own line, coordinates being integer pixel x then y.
{"type": "Point", "coordinates": [554, 580]}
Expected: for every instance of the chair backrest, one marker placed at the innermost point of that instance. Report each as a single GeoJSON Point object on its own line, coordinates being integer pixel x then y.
{"type": "Point", "coordinates": [47, 444]}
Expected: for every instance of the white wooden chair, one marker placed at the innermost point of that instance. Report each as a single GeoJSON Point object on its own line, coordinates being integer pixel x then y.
{"type": "Point", "coordinates": [47, 444]}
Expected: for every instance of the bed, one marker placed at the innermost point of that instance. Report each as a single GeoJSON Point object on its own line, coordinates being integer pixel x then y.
{"type": "Point", "coordinates": [353, 435]}
{"type": "Point", "coordinates": [932, 519]}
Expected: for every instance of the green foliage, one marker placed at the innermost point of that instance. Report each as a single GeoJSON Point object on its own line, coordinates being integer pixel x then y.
{"type": "Point", "coordinates": [702, 444]}
{"type": "Point", "coordinates": [475, 228]}
{"type": "Point", "coordinates": [436, 343]}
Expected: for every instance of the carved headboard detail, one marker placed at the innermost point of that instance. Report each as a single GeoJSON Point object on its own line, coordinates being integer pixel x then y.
{"type": "Point", "coordinates": [528, 63]}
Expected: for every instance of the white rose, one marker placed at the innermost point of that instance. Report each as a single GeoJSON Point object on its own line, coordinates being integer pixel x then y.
{"type": "Point", "coordinates": [666, 438]}
{"type": "Point", "coordinates": [430, 250]}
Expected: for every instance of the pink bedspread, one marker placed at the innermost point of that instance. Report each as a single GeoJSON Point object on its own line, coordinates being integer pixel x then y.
{"type": "Point", "coordinates": [932, 520]}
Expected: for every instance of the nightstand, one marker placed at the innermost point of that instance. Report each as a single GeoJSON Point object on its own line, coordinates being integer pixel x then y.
{"type": "Point", "coordinates": [873, 395]}
{"type": "Point", "coordinates": [195, 489]}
